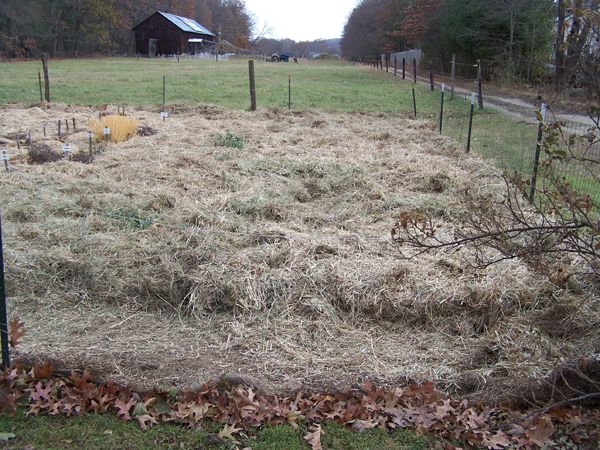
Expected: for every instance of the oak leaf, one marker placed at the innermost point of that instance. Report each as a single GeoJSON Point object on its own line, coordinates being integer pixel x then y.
{"type": "Point", "coordinates": [542, 433]}
{"type": "Point", "coordinates": [123, 408]}
{"type": "Point", "coordinates": [313, 438]}
{"type": "Point", "coordinates": [227, 433]}
{"type": "Point", "coordinates": [16, 330]}
{"type": "Point", "coordinates": [146, 419]}
{"type": "Point", "coordinates": [362, 425]}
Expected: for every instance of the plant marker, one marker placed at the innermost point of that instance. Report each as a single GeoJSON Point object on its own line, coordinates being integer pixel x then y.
{"type": "Point", "coordinates": [66, 148]}
{"type": "Point", "coordinates": [4, 157]}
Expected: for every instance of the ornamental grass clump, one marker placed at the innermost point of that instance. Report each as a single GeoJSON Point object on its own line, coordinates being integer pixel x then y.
{"type": "Point", "coordinates": [121, 128]}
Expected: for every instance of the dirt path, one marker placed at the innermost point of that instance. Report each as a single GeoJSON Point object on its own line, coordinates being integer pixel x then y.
{"type": "Point", "coordinates": [518, 108]}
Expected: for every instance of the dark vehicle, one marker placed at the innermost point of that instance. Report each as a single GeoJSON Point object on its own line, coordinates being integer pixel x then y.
{"type": "Point", "coordinates": [283, 57]}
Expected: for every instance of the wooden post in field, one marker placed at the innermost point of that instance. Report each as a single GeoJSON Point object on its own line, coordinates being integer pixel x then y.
{"type": "Point", "coordinates": [164, 90]}
{"type": "Point", "coordinates": [40, 83]}
{"type": "Point", "coordinates": [431, 85]}
{"type": "Point", "coordinates": [415, 70]}
{"type": "Point", "coordinates": [67, 124]}
{"type": "Point", "coordinates": [404, 68]}
{"type": "Point", "coordinates": [59, 128]}
{"type": "Point", "coordinates": [74, 126]}
{"type": "Point", "coordinates": [479, 90]}
{"type": "Point", "coordinates": [453, 75]}
{"type": "Point", "coordinates": [46, 77]}
{"type": "Point", "coordinates": [91, 148]}
{"type": "Point", "coordinates": [252, 85]}
{"type": "Point", "coordinates": [395, 66]}
{"type": "Point", "coordinates": [289, 92]}
{"type": "Point", "coordinates": [387, 68]}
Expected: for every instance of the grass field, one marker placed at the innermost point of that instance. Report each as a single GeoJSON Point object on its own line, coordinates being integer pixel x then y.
{"type": "Point", "coordinates": [93, 431]}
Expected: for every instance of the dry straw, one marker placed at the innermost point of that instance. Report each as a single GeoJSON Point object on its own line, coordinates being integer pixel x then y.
{"type": "Point", "coordinates": [121, 128]}
{"type": "Point", "coordinates": [273, 261]}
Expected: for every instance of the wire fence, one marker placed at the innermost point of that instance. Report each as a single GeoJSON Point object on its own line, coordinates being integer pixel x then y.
{"type": "Point", "coordinates": [512, 137]}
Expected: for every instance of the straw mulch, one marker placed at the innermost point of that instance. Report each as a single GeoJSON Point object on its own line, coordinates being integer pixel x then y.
{"type": "Point", "coordinates": [170, 261]}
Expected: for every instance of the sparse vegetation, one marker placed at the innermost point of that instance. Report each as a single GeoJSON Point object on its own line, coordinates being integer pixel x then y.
{"type": "Point", "coordinates": [230, 140]}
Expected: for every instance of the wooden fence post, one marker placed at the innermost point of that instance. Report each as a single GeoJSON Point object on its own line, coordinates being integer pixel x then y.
{"type": "Point", "coordinates": [431, 84]}
{"type": "Point", "coordinates": [395, 66]}
{"type": "Point", "coordinates": [415, 70]}
{"type": "Point", "coordinates": [404, 68]}
{"type": "Point", "coordinates": [252, 85]}
{"type": "Point", "coordinates": [40, 83]}
{"type": "Point", "coordinates": [46, 77]}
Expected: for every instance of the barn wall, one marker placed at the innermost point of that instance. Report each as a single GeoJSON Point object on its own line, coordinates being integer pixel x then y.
{"type": "Point", "coordinates": [171, 40]}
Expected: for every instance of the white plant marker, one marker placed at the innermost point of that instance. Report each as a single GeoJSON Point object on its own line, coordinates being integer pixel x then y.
{"type": "Point", "coordinates": [66, 148]}
{"type": "Point", "coordinates": [4, 157]}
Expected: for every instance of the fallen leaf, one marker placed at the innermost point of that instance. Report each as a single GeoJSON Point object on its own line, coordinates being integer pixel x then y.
{"type": "Point", "coordinates": [123, 408]}
{"type": "Point", "coordinates": [16, 330]}
{"type": "Point", "coordinates": [313, 438]}
{"type": "Point", "coordinates": [139, 410]}
{"type": "Point", "coordinates": [146, 419]}
{"type": "Point", "coordinates": [227, 433]}
{"type": "Point", "coordinates": [362, 425]}
{"type": "Point", "coordinates": [542, 433]}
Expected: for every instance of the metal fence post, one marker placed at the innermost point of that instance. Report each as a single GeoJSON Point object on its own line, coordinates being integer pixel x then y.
{"type": "Point", "coordinates": [442, 108]}
{"type": "Point", "coordinates": [470, 122]}
{"type": "Point", "coordinates": [479, 90]}
{"type": "Point", "coordinates": [414, 101]}
{"type": "Point", "coordinates": [3, 309]}
{"type": "Point", "coordinates": [538, 148]}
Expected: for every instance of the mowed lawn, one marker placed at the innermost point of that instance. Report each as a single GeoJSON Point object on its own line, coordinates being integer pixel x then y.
{"type": "Point", "coordinates": [327, 85]}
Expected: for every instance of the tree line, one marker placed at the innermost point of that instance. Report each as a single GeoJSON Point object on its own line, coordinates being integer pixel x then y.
{"type": "Point", "coordinates": [519, 39]}
{"type": "Point", "coordinates": [83, 27]}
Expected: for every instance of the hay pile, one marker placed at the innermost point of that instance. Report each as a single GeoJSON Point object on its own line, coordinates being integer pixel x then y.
{"type": "Point", "coordinates": [170, 261]}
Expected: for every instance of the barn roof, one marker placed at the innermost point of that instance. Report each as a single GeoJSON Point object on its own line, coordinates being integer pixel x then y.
{"type": "Point", "coordinates": [186, 24]}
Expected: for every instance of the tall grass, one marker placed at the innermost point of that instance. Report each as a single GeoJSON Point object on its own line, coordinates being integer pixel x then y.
{"type": "Point", "coordinates": [121, 128]}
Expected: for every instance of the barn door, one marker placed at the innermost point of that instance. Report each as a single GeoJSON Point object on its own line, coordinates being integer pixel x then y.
{"type": "Point", "coordinates": [152, 47]}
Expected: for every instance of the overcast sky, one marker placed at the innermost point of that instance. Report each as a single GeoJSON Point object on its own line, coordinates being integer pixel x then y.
{"type": "Point", "coordinates": [301, 20]}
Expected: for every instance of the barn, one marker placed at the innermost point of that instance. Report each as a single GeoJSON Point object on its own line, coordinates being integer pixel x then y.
{"type": "Point", "coordinates": [167, 34]}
